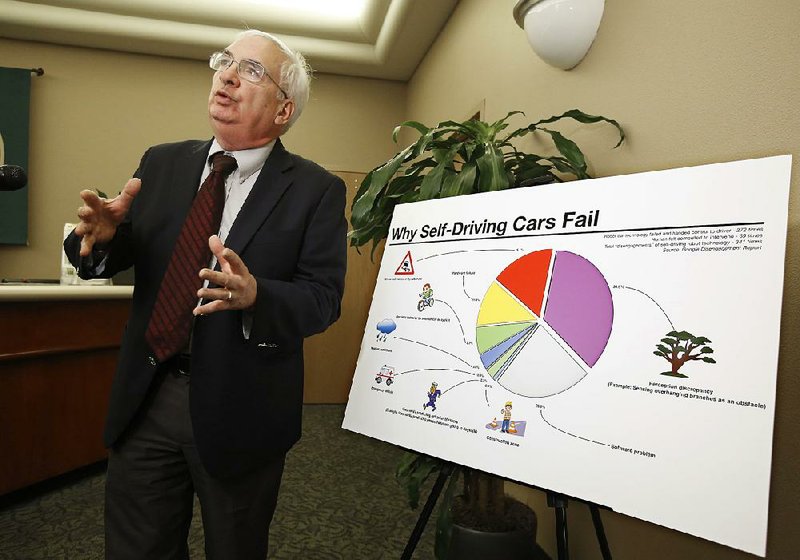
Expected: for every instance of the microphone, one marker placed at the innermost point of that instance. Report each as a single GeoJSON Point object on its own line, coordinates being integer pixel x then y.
{"type": "Point", "coordinates": [12, 178]}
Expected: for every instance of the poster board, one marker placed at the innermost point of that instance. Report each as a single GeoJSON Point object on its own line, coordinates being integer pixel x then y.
{"type": "Point", "coordinates": [614, 340]}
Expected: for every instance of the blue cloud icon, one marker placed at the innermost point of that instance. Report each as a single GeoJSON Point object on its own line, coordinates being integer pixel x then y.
{"type": "Point", "coordinates": [386, 326]}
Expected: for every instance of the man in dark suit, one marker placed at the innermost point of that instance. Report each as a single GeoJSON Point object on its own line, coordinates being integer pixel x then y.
{"type": "Point", "coordinates": [216, 416]}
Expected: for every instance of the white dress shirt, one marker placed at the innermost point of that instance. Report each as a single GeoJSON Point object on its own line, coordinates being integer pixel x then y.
{"type": "Point", "coordinates": [239, 183]}
{"type": "Point", "coordinates": [237, 188]}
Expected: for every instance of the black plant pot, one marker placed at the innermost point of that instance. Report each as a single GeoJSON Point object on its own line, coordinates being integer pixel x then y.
{"type": "Point", "coordinates": [470, 544]}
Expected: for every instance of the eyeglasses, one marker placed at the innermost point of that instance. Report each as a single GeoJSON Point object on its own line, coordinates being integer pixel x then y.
{"type": "Point", "coordinates": [250, 70]}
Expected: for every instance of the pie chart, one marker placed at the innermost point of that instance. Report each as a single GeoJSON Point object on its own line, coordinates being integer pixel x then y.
{"type": "Point", "coordinates": [544, 322]}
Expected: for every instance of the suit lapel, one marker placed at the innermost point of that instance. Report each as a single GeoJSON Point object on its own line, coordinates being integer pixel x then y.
{"type": "Point", "coordinates": [178, 191]}
{"type": "Point", "coordinates": [272, 182]}
{"type": "Point", "coordinates": [186, 178]}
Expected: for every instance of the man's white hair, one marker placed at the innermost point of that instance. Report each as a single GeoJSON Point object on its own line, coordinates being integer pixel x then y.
{"type": "Point", "coordinates": [295, 78]}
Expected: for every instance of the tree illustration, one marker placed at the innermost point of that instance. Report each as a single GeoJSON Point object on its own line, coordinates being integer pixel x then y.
{"type": "Point", "coordinates": [681, 347]}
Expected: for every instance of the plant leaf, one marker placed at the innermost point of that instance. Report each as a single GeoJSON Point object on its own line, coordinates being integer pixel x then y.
{"type": "Point", "coordinates": [511, 114]}
{"type": "Point", "coordinates": [362, 188]}
{"type": "Point", "coordinates": [450, 184]}
{"type": "Point", "coordinates": [563, 165]}
{"type": "Point", "coordinates": [418, 126]}
{"type": "Point", "coordinates": [529, 170]}
{"type": "Point", "coordinates": [519, 132]}
{"type": "Point", "coordinates": [379, 178]}
{"type": "Point", "coordinates": [478, 130]}
{"type": "Point", "coordinates": [467, 179]}
{"type": "Point", "coordinates": [432, 183]}
{"type": "Point", "coordinates": [584, 118]}
{"type": "Point", "coordinates": [570, 151]}
{"type": "Point", "coordinates": [376, 242]}
{"type": "Point", "coordinates": [412, 472]}
{"type": "Point", "coordinates": [491, 171]}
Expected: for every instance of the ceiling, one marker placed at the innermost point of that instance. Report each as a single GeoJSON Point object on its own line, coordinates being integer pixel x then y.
{"type": "Point", "coordinates": [371, 38]}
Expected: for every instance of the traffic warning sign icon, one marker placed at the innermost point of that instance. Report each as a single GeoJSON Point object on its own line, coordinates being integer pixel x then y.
{"type": "Point", "coordinates": [406, 267]}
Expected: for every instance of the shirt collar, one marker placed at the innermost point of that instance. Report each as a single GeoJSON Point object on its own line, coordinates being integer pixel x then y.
{"type": "Point", "coordinates": [247, 161]}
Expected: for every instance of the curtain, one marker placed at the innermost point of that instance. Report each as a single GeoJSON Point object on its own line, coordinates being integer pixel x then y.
{"type": "Point", "coordinates": [15, 89]}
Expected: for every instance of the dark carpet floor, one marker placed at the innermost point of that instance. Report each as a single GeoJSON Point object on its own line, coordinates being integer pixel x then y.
{"type": "Point", "coordinates": [339, 501]}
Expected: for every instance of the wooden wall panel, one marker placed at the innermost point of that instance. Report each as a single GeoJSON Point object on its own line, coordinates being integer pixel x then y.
{"type": "Point", "coordinates": [35, 327]}
{"type": "Point", "coordinates": [57, 359]}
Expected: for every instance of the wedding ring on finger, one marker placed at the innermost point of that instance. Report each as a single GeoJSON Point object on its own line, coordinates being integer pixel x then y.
{"type": "Point", "coordinates": [230, 295]}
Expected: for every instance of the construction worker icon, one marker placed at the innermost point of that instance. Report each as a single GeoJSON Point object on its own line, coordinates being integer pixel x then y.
{"type": "Point", "coordinates": [506, 412]}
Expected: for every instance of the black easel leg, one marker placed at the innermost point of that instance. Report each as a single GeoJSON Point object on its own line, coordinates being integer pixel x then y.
{"type": "Point", "coordinates": [559, 502]}
{"type": "Point", "coordinates": [425, 514]}
{"type": "Point", "coordinates": [562, 539]}
{"type": "Point", "coordinates": [600, 532]}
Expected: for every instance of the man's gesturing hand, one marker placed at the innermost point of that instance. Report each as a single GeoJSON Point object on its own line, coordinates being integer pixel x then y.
{"type": "Point", "coordinates": [235, 287]}
{"type": "Point", "coordinates": [100, 216]}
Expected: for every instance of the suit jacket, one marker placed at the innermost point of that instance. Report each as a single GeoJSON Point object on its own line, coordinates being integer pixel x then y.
{"type": "Point", "coordinates": [245, 394]}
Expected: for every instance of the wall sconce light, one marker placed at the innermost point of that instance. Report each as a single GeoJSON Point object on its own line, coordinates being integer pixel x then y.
{"type": "Point", "coordinates": [560, 31]}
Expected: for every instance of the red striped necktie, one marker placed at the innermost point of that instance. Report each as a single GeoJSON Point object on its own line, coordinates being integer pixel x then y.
{"type": "Point", "coordinates": [171, 319]}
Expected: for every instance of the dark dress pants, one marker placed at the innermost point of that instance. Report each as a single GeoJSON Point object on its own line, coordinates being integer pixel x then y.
{"type": "Point", "coordinates": [153, 474]}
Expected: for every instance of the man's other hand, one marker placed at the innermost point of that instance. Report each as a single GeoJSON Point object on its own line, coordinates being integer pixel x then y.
{"type": "Point", "coordinates": [99, 217]}
{"type": "Point", "coordinates": [234, 286]}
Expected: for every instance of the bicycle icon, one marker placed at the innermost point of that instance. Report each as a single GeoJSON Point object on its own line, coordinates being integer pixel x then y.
{"type": "Point", "coordinates": [425, 302]}
{"type": "Point", "coordinates": [427, 297]}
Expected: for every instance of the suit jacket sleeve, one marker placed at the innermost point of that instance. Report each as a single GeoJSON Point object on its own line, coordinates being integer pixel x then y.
{"type": "Point", "coordinates": [285, 312]}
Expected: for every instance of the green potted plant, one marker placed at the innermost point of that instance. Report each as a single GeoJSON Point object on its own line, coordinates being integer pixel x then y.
{"type": "Point", "coordinates": [481, 522]}
{"type": "Point", "coordinates": [457, 158]}
{"type": "Point", "coordinates": [452, 159]}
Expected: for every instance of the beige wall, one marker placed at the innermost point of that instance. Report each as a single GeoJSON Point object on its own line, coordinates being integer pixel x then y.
{"type": "Point", "coordinates": [94, 113]}
{"type": "Point", "coordinates": [693, 83]}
